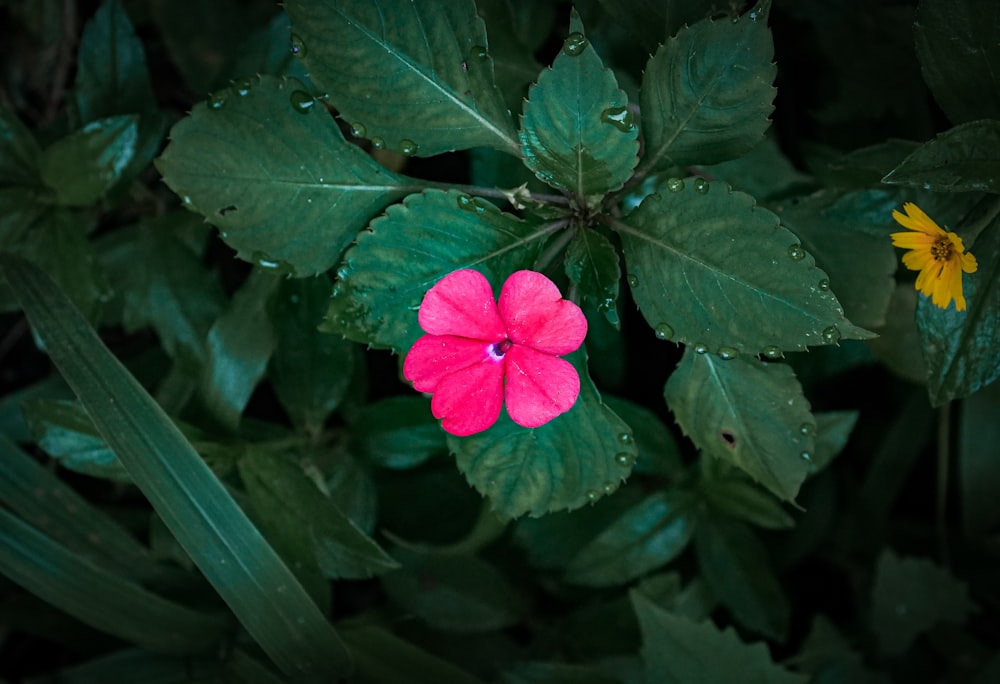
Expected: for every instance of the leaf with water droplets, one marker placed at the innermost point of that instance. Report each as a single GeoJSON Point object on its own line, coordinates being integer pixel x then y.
{"type": "Point", "coordinates": [722, 272]}
{"type": "Point", "coordinates": [566, 463]}
{"type": "Point", "coordinates": [407, 70]}
{"type": "Point", "coordinates": [963, 159]}
{"type": "Point", "coordinates": [592, 265]}
{"type": "Point", "coordinates": [385, 275]}
{"type": "Point", "coordinates": [577, 132]}
{"type": "Point", "coordinates": [280, 186]}
{"type": "Point", "coordinates": [706, 93]}
{"type": "Point", "coordinates": [747, 413]}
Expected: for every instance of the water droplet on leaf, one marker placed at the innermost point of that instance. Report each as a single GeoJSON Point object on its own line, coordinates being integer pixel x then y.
{"type": "Point", "coordinates": [217, 100]}
{"type": "Point", "coordinates": [728, 353]}
{"type": "Point", "coordinates": [575, 44]}
{"type": "Point", "coordinates": [700, 348]}
{"type": "Point", "coordinates": [608, 487]}
{"type": "Point", "coordinates": [296, 46]}
{"type": "Point", "coordinates": [823, 285]}
{"type": "Point", "coordinates": [831, 335]}
{"type": "Point", "coordinates": [807, 429]}
{"type": "Point", "coordinates": [301, 101]}
{"type": "Point", "coordinates": [700, 185]}
{"type": "Point", "coordinates": [633, 281]}
{"type": "Point", "coordinates": [625, 437]}
{"type": "Point", "coordinates": [592, 495]}
{"type": "Point", "coordinates": [771, 352]}
{"type": "Point", "coordinates": [407, 147]}
{"type": "Point", "coordinates": [619, 117]}
{"type": "Point", "coordinates": [479, 53]}
{"type": "Point", "coordinates": [675, 185]}
{"type": "Point", "coordinates": [625, 459]}
{"type": "Point", "coordinates": [796, 253]}
{"type": "Point", "coordinates": [358, 130]}
{"type": "Point", "coordinates": [664, 332]}
{"type": "Point", "coordinates": [377, 143]}
{"type": "Point", "coordinates": [243, 88]}
{"type": "Point", "coordinates": [806, 456]}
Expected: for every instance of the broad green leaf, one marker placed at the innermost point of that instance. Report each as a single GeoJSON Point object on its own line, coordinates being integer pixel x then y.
{"type": "Point", "coordinates": [739, 572]}
{"type": "Point", "coordinates": [963, 159]}
{"type": "Point", "coordinates": [679, 651]}
{"type": "Point", "coordinates": [868, 165]}
{"type": "Point", "coordinates": [912, 595]}
{"type": "Point", "coordinates": [764, 172]}
{"type": "Point", "coordinates": [959, 56]}
{"type": "Point", "coordinates": [310, 371]}
{"type": "Point", "coordinates": [833, 429]}
{"type": "Point", "coordinates": [978, 469]}
{"type": "Point", "coordinates": [848, 236]}
{"type": "Point", "coordinates": [706, 93]}
{"type": "Point", "coordinates": [193, 503]}
{"type": "Point", "coordinates": [653, 21]}
{"type": "Point", "coordinates": [591, 264]}
{"type": "Point", "coordinates": [415, 77]}
{"type": "Point", "coordinates": [64, 431]}
{"type": "Point", "coordinates": [454, 593]}
{"type": "Point", "coordinates": [557, 673]}
{"type": "Point", "coordinates": [741, 499]}
{"type": "Point", "coordinates": [384, 658]}
{"type": "Point", "coordinates": [577, 132]}
{"type": "Point", "coordinates": [397, 432]}
{"type": "Point", "coordinates": [239, 345]}
{"type": "Point", "coordinates": [413, 245]}
{"type": "Point", "coordinates": [699, 280]}
{"type": "Point", "coordinates": [658, 451]}
{"type": "Point", "coordinates": [98, 597]}
{"type": "Point", "coordinates": [960, 346]}
{"type": "Point", "coordinates": [83, 166]}
{"type": "Point", "coordinates": [830, 657]}
{"type": "Point", "coordinates": [348, 483]}
{"type": "Point", "coordinates": [646, 537]}
{"type": "Point", "coordinates": [748, 413]}
{"type": "Point", "coordinates": [135, 665]}
{"type": "Point", "coordinates": [269, 167]}
{"type": "Point", "coordinates": [572, 460]}
{"type": "Point", "coordinates": [20, 155]}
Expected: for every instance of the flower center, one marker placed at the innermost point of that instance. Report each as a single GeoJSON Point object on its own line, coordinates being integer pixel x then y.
{"type": "Point", "coordinates": [942, 249]}
{"type": "Point", "coordinates": [498, 349]}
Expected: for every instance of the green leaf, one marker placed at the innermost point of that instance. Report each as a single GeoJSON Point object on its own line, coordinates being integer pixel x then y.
{"type": "Point", "coordinates": [514, 64]}
{"type": "Point", "coordinates": [833, 429]}
{"type": "Point", "coordinates": [912, 595]}
{"type": "Point", "coordinates": [898, 342]}
{"type": "Point", "coordinates": [658, 450]}
{"type": "Point", "coordinates": [959, 56]}
{"type": "Point", "coordinates": [426, 61]}
{"type": "Point", "coordinates": [557, 673]}
{"type": "Point", "coordinates": [978, 469]}
{"type": "Point", "coordinates": [454, 593]}
{"type": "Point", "coordinates": [763, 172]}
{"type": "Point", "coordinates": [20, 155]}
{"type": "Point", "coordinates": [679, 651]}
{"type": "Point", "coordinates": [99, 598]}
{"type": "Point", "coordinates": [646, 537]}
{"type": "Point", "coordinates": [310, 371]}
{"type": "Point", "coordinates": [653, 21]}
{"type": "Point", "coordinates": [577, 132]}
{"type": "Point", "coordinates": [384, 658]}
{"type": "Point", "coordinates": [706, 93]}
{"type": "Point", "coordinates": [592, 265]}
{"type": "Point", "coordinates": [398, 433]}
{"type": "Point", "coordinates": [281, 183]}
{"type": "Point", "coordinates": [229, 551]}
{"type": "Point", "coordinates": [963, 159]}
{"type": "Point", "coordinates": [700, 282]}
{"type": "Point", "coordinates": [83, 166]}
{"type": "Point", "coordinates": [748, 413]}
{"type": "Point", "coordinates": [384, 278]}
{"type": "Point", "coordinates": [64, 431]}
{"type": "Point", "coordinates": [960, 346]}
{"type": "Point", "coordinates": [741, 499]}
{"type": "Point", "coordinates": [830, 658]}
{"type": "Point", "coordinates": [739, 572]}
{"type": "Point", "coordinates": [572, 460]}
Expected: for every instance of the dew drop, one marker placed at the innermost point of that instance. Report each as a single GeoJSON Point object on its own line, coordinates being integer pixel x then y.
{"type": "Point", "coordinates": [608, 487]}
{"type": "Point", "coordinates": [806, 456]}
{"type": "Point", "coordinates": [465, 202]}
{"type": "Point", "coordinates": [633, 281]}
{"type": "Point", "coordinates": [574, 44]}
{"type": "Point", "coordinates": [831, 335]}
{"type": "Point", "coordinates": [728, 353]}
{"type": "Point", "coordinates": [700, 185]}
{"type": "Point", "coordinates": [243, 88]}
{"type": "Point", "coordinates": [619, 117]}
{"type": "Point", "coordinates": [407, 147]}
{"type": "Point", "coordinates": [296, 46]}
{"type": "Point", "coordinates": [736, 20]}
{"type": "Point", "coordinates": [217, 99]}
{"type": "Point", "coordinates": [807, 429]}
{"type": "Point", "coordinates": [771, 352]}
{"type": "Point", "coordinates": [796, 253]}
{"type": "Point", "coordinates": [675, 185]}
{"type": "Point", "coordinates": [664, 331]}
{"type": "Point", "coordinates": [625, 459]}
{"type": "Point", "coordinates": [700, 348]}
{"type": "Point", "coordinates": [823, 285]}
{"type": "Point", "coordinates": [625, 438]}
{"type": "Point", "coordinates": [377, 143]}
{"type": "Point", "coordinates": [592, 495]}
{"type": "Point", "coordinates": [478, 53]}
{"type": "Point", "coordinates": [358, 130]}
{"type": "Point", "coordinates": [301, 101]}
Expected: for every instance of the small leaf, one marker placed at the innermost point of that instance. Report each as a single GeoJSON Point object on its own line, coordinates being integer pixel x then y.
{"type": "Point", "coordinates": [912, 595]}
{"type": "Point", "coordinates": [418, 76]}
{"type": "Point", "coordinates": [679, 651]}
{"type": "Point", "coordinates": [269, 176]}
{"type": "Point", "coordinates": [64, 431]}
{"type": "Point", "coordinates": [745, 500]}
{"type": "Point", "coordinates": [833, 429]}
{"type": "Point", "coordinates": [963, 159]}
{"type": "Point", "coordinates": [653, 21]}
{"type": "Point", "coordinates": [20, 155]}
{"type": "Point", "coordinates": [398, 433]}
{"type": "Point", "coordinates": [577, 132]}
{"type": "Point", "coordinates": [84, 165]}
{"type": "Point", "coordinates": [960, 346]}
{"type": "Point", "coordinates": [702, 283]}
{"type": "Point", "coordinates": [384, 658]}
{"type": "Point", "coordinates": [572, 460]}
{"type": "Point", "coordinates": [959, 56]}
{"type": "Point", "coordinates": [591, 264]}
{"type": "Point", "coordinates": [383, 279]}
{"type": "Point", "coordinates": [739, 572]}
{"type": "Point", "coordinates": [706, 93]}
{"type": "Point", "coordinates": [646, 537]}
{"type": "Point", "coordinates": [747, 413]}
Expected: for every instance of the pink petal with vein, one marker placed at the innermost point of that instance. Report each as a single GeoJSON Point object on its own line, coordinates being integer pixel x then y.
{"type": "Point", "coordinates": [462, 304]}
{"type": "Point", "coordinates": [432, 357]}
{"type": "Point", "coordinates": [537, 316]}
{"type": "Point", "coordinates": [539, 386]}
{"type": "Point", "coordinates": [469, 400]}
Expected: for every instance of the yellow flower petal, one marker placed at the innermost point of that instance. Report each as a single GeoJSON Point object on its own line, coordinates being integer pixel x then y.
{"type": "Point", "coordinates": [916, 219]}
{"type": "Point", "coordinates": [969, 263]}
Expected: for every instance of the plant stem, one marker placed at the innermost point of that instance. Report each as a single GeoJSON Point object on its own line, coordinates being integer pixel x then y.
{"type": "Point", "coordinates": [496, 193]}
{"type": "Point", "coordinates": [549, 255]}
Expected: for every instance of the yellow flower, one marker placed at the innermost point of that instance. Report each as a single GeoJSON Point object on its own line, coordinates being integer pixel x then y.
{"type": "Point", "coordinates": [938, 254]}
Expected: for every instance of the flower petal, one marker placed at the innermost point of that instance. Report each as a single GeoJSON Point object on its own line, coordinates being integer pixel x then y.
{"type": "Point", "coordinates": [462, 304]}
{"type": "Point", "coordinates": [469, 400]}
{"type": "Point", "coordinates": [969, 263]}
{"type": "Point", "coordinates": [539, 386]}
{"type": "Point", "coordinates": [537, 316]}
{"type": "Point", "coordinates": [916, 219]}
{"type": "Point", "coordinates": [913, 240]}
{"type": "Point", "coordinates": [432, 357]}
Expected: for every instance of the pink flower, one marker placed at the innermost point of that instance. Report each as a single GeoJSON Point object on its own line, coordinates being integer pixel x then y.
{"type": "Point", "coordinates": [478, 352]}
